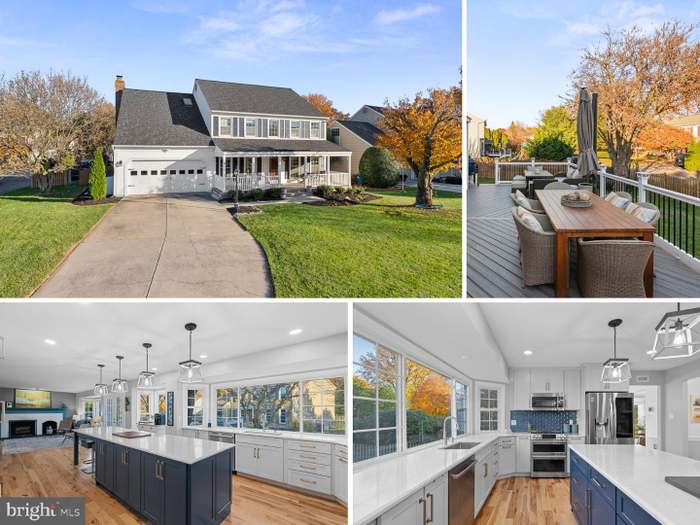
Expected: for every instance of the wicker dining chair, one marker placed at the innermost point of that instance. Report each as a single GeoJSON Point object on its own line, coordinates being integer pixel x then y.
{"type": "Point", "coordinates": [530, 205]}
{"type": "Point", "coordinates": [536, 250]}
{"type": "Point", "coordinates": [557, 186]}
{"type": "Point", "coordinates": [612, 268]}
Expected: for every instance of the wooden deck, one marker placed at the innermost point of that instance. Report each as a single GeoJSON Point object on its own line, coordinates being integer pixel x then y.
{"type": "Point", "coordinates": [493, 264]}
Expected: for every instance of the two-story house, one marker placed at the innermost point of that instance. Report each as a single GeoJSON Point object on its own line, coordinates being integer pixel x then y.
{"type": "Point", "coordinates": [359, 133]}
{"type": "Point", "coordinates": [260, 136]}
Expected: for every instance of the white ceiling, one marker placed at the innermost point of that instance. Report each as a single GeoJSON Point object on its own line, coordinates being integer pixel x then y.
{"type": "Point", "coordinates": [569, 334]}
{"type": "Point", "coordinates": [88, 333]}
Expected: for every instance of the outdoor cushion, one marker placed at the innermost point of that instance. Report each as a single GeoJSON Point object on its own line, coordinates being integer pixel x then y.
{"type": "Point", "coordinates": [529, 220]}
{"type": "Point", "coordinates": [571, 173]}
{"type": "Point", "coordinates": [644, 214]}
{"type": "Point", "coordinates": [631, 208]}
{"type": "Point", "coordinates": [521, 211]}
{"type": "Point", "coordinates": [522, 199]}
{"type": "Point", "coordinates": [617, 201]}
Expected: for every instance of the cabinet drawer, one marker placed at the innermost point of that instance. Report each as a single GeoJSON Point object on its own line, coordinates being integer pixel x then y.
{"type": "Point", "coordinates": [309, 446]}
{"type": "Point", "coordinates": [629, 513]}
{"type": "Point", "coordinates": [309, 481]}
{"type": "Point", "coordinates": [313, 457]}
{"type": "Point", "coordinates": [575, 459]}
{"type": "Point", "coordinates": [341, 451]}
{"type": "Point", "coordinates": [260, 441]}
{"type": "Point", "coordinates": [305, 466]}
{"type": "Point", "coordinates": [601, 484]}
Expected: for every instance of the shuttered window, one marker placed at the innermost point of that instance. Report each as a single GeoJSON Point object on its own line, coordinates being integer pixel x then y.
{"type": "Point", "coordinates": [215, 130]}
{"type": "Point", "coordinates": [235, 127]}
{"type": "Point", "coordinates": [305, 129]}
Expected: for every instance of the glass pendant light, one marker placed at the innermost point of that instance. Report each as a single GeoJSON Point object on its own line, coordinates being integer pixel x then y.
{"type": "Point", "coordinates": [616, 369]}
{"type": "Point", "coordinates": [677, 334]}
{"type": "Point", "coordinates": [146, 376]}
{"type": "Point", "coordinates": [100, 388]}
{"type": "Point", "coordinates": [191, 370]}
{"type": "Point", "coordinates": [119, 385]}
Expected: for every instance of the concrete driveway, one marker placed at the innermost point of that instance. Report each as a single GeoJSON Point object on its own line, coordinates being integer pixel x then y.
{"type": "Point", "coordinates": [164, 246]}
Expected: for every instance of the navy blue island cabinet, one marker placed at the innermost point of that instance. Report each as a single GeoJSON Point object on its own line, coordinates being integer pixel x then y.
{"type": "Point", "coordinates": [596, 501]}
{"type": "Point", "coordinates": [165, 491]}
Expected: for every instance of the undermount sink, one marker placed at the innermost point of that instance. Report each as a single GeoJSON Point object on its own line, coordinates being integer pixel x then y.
{"type": "Point", "coordinates": [461, 445]}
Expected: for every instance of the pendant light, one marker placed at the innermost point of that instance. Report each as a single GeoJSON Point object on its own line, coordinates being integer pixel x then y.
{"type": "Point", "coordinates": [616, 369]}
{"type": "Point", "coordinates": [100, 388]}
{"type": "Point", "coordinates": [191, 370]}
{"type": "Point", "coordinates": [146, 376]}
{"type": "Point", "coordinates": [677, 334]}
{"type": "Point", "coordinates": [119, 385]}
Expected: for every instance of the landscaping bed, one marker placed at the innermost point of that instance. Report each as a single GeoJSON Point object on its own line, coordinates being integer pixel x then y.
{"type": "Point", "coordinates": [36, 231]}
{"type": "Point", "coordinates": [383, 247]}
{"type": "Point", "coordinates": [84, 199]}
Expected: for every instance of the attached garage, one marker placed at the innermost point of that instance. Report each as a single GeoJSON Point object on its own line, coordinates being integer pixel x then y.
{"type": "Point", "coordinates": [185, 176]}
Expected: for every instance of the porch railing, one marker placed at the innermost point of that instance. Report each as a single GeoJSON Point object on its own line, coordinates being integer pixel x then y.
{"type": "Point", "coordinates": [679, 226]}
{"type": "Point", "coordinates": [247, 182]}
{"type": "Point", "coordinates": [503, 172]}
{"type": "Point", "coordinates": [331, 178]}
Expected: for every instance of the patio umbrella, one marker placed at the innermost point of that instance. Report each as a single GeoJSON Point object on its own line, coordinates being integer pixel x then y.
{"type": "Point", "coordinates": [587, 159]}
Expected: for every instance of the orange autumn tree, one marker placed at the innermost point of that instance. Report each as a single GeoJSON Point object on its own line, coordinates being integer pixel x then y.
{"type": "Point", "coordinates": [431, 396]}
{"type": "Point", "coordinates": [325, 106]}
{"type": "Point", "coordinates": [666, 139]}
{"type": "Point", "coordinates": [425, 134]}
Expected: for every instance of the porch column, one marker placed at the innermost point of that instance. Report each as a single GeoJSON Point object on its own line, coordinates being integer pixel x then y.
{"type": "Point", "coordinates": [279, 169]}
{"type": "Point", "coordinates": [254, 164]}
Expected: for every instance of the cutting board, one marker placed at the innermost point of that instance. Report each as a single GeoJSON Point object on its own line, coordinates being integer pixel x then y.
{"type": "Point", "coordinates": [131, 434]}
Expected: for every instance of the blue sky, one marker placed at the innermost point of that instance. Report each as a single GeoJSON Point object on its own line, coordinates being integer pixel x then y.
{"type": "Point", "coordinates": [353, 51]}
{"type": "Point", "coordinates": [521, 52]}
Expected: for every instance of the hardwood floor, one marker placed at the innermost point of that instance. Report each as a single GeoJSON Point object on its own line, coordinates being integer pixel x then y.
{"type": "Point", "coordinates": [528, 501]}
{"type": "Point", "coordinates": [50, 473]}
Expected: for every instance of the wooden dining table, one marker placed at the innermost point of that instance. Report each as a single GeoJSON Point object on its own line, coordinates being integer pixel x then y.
{"type": "Point", "coordinates": [602, 219]}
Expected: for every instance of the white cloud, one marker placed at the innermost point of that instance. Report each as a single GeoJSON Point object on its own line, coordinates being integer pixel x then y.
{"type": "Point", "coordinates": [391, 16]}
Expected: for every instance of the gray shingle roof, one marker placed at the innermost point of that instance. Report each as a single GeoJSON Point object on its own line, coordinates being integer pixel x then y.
{"type": "Point", "coordinates": [364, 130]}
{"type": "Point", "coordinates": [378, 109]}
{"type": "Point", "coordinates": [249, 98]}
{"type": "Point", "coordinates": [277, 145]}
{"type": "Point", "coordinates": [159, 118]}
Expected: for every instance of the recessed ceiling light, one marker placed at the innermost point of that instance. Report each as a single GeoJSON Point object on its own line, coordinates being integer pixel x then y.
{"type": "Point", "coordinates": [296, 331]}
{"type": "Point", "coordinates": [203, 356]}
{"type": "Point", "coordinates": [527, 352]}
{"type": "Point", "coordinates": [50, 342]}
{"type": "Point", "coordinates": [464, 356]}
{"type": "Point", "coordinates": [154, 368]}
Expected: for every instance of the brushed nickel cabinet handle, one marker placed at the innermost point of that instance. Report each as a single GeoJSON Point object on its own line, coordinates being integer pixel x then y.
{"type": "Point", "coordinates": [432, 503]}
{"type": "Point", "coordinates": [307, 481]}
{"type": "Point", "coordinates": [425, 513]}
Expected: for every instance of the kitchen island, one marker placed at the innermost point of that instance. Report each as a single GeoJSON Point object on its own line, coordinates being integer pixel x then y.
{"type": "Point", "coordinates": [165, 478]}
{"type": "Point", "coordinates": [625, 484]}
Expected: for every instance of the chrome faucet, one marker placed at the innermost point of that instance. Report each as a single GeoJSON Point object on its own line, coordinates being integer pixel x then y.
{"type": "Point", "coordinates": [444, 430]}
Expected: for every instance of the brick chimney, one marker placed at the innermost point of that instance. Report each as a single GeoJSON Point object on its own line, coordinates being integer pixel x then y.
{"type": "Point", "coordinates": [119, 86]}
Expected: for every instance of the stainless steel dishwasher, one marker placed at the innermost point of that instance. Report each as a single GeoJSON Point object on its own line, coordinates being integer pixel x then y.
{"type": "Point", "coordinates": [461, 493]}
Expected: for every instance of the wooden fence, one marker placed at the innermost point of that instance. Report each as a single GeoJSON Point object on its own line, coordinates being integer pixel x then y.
{"type": "Point", "coordinates": [61, 178]}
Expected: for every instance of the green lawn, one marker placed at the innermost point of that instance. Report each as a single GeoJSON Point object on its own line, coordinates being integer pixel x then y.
{"type": "Point", "coordinates": [382, 248]}
{"type": "Point", "coordinates": [36, 231]}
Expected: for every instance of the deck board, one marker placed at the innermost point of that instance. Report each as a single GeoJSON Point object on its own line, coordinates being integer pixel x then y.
{"type": "Point", "coordinates": [493, 262]}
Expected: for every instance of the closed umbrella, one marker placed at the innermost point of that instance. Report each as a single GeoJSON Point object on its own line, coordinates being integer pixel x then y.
{"type": "Point", "coordinates": [587, 159]}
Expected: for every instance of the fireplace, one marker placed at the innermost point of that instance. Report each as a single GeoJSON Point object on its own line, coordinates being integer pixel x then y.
{"type": "Point", "coordinates": [22, 428]}
{"type": "Point", "coordinates": [48, 428]}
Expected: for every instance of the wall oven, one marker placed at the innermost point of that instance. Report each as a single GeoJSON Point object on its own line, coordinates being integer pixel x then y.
{"type": "Point", "coordinates": [548, 455]}
{"type": "Point", "coordinates": [547, 401]}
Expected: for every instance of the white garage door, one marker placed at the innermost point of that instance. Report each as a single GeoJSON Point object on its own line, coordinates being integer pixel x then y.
{"type": "Point", "coordinates": [185, 176]}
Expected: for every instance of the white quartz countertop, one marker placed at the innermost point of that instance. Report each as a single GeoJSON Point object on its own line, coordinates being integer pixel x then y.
{"type": "Point", "coordinates": [380, 485]}
{"type": "Point", "coordinates": [178, 448]}
{"type": "Point", "coordinates": [639, 472]}
{"type": "Point", "coordinates": [321, 438]}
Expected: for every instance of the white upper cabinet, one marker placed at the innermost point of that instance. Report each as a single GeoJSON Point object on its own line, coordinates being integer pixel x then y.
{"type": "Point", "coordinates": [572, 388]}
{"type": "Point", "coordinates": [520, 389]}
{"type": "Point", "coordinates": [546, 380]}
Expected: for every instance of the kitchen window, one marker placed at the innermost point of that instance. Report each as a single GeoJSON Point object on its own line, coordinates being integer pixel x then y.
{"type": "Point", "coordinates": [226, 129]}
{"type": "Point", "coordinates": [461, 407]}
{"type": "Point", "coordinates": [323, 406]}
{"type": "Point", "coordinates": [262, 406]}
{"type": "Point", "coordinates": [195, 407]}
{"type": "Point", "coordinates": [88, 409]}
{"type": "Point", "coordinates": [488, 409]}
{"type": "Point", "coordinates": [273, 128]}
{"type": "Point", "coordinates": [144, 406]}
{"type": "Point", "coordinates": [427, 403]}
{"type": "Point", "coordinates": [226, 407]}
{"type": "Point", "coordinates": [295, 129]}
{"type": "Point", "coordinates": [119, 411]}
{"type": "Point", "coordinates": [251, 127]}
{"type": "Point", "coordinates": [315, 130]}
{"type": "Point", "coordinates": [375, 387]}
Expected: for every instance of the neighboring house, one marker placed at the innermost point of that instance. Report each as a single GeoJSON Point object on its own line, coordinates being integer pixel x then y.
{"type": "Point", "coordinates": [689, 124]}
{"type": "Point", "coordinates": [359, 133]}
{"type": "Point", "coordinates": [476, 135]}
{"type": "Point", "coordinates": [195, 142]}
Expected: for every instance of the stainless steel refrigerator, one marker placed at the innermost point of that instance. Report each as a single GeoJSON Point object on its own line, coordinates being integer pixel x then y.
{"type": "Point", "coordinates": [609, 418]}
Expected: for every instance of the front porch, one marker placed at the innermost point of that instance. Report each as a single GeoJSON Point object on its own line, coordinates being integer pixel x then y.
{"type": "Point", "coordinates": [250, 171]}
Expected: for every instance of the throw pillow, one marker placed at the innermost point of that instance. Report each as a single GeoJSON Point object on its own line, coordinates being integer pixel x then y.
{"type": "Point", "coordinates": [532, 223]}
{"type": "Point", "coordinates": [522, 199]}
{"type": "Point", "coordinates": [644, 214]}
{"type": "Point", "coordinates": [631, 208]}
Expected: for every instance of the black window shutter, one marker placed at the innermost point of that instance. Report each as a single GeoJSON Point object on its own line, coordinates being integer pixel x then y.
{"type": "Point", "coordinates": [215, 131]}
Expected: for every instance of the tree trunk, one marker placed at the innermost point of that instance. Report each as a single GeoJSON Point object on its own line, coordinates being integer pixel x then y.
{"type": "Point", "coordinates": [622, 160]}
{"type": "Point", "coordinates": [424, 188]}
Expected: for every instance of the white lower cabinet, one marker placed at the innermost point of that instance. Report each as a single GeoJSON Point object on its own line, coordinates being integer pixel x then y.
{"type": "Point", "coordinates": [506, 459]}
{"type": "Point", "coordinates": [523, 455]}
{"type": "Point", "coordinates": [340, 473]}
{"type": "Point", "coordinates": [486, 472]}
{"type": "Point", "coordinates": [261, 457]}
{"type": "Point", "coordinates": [426, 506]}
{"type": "Point", "coordinates": [309, 466]}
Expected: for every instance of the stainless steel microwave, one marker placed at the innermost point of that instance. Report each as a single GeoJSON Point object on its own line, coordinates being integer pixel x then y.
{"type": "Point", "coordinates": [548, 401]}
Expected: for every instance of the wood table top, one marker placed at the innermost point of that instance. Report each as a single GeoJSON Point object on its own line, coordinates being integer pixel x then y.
{"type": "Point", "coordinates": [601, 217]}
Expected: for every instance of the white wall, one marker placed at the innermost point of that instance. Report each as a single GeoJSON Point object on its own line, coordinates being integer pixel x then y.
{"type": "Point", "coordinates": [676, 409]}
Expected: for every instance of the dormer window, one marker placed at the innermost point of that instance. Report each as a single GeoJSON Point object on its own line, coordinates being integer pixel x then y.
{"type": "Point", "coordinates": [295, 129]}
{"type": "Point", "coordinates": [225, 126]}
{"type": "Point", "coordinates": [274, 128]}
{"type": "Point", "coordinates": [251, 127]}
{"type": "Point", "coordinates": [315, 130]}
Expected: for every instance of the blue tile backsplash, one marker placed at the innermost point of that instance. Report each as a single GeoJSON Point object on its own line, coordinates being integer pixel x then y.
{"type": "Point", "coordinates": [541, 420]}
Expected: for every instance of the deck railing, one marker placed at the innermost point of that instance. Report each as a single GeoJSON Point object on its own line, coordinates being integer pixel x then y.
{"type": "Point", "coordinates": [331, 178]}
{"type": "Point", "coordinates": [503, 172]}
{"type": "Point", "coordinates": [679, 225]}
{"type": "Point", "coordinates": [246, 181]}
